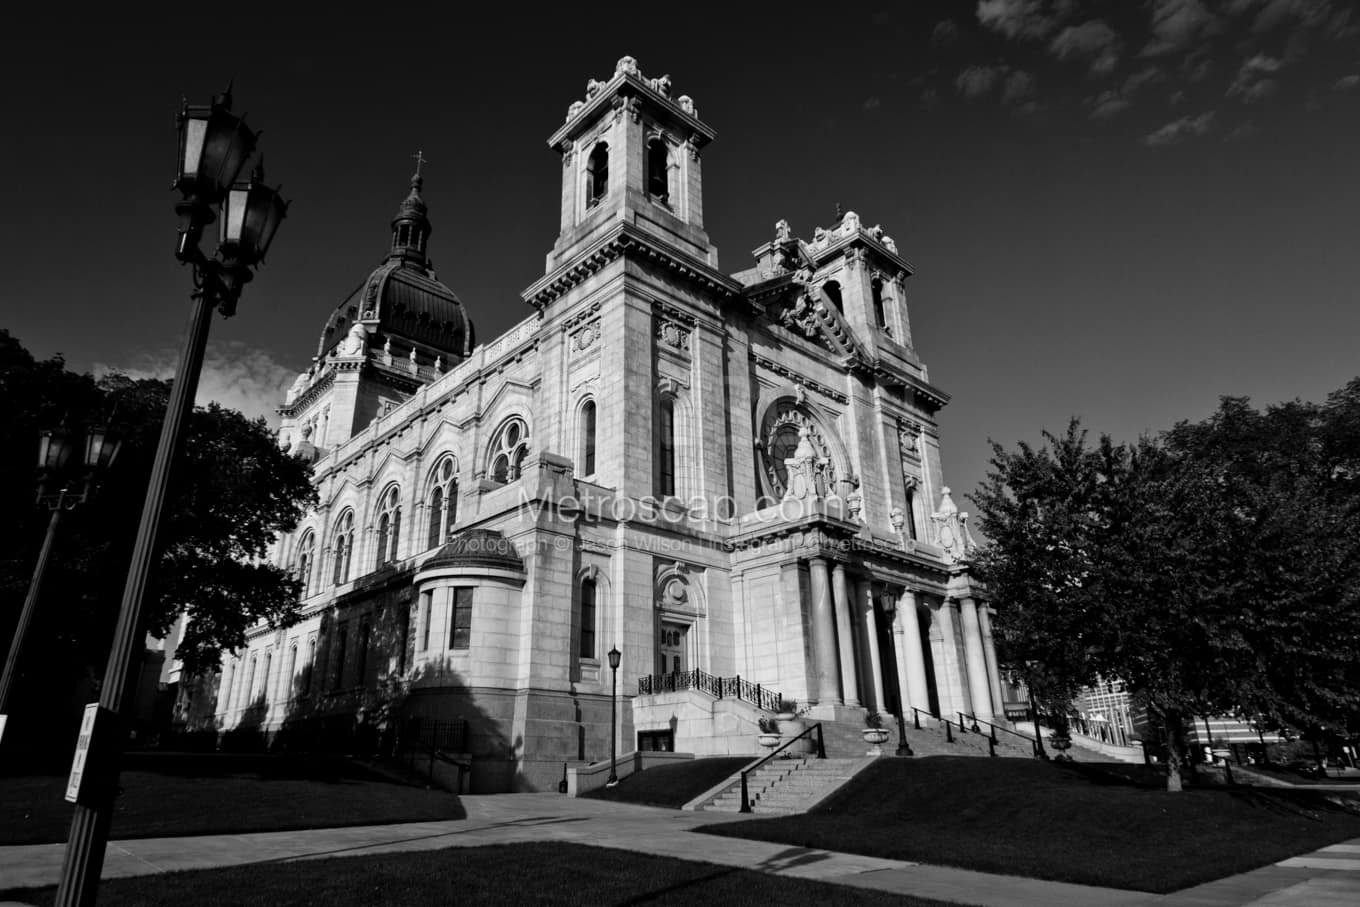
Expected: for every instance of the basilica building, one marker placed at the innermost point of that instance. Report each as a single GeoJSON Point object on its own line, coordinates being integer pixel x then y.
{"type": "Point", "coordinates": [732, 479]}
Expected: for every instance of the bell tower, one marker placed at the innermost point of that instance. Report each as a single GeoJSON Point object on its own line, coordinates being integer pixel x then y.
{"type": "Point", "coordinates": [631, 153]}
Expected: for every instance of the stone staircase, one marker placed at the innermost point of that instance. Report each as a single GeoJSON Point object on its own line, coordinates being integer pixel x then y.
{"type": "Point", "coordinates": [782, 787]}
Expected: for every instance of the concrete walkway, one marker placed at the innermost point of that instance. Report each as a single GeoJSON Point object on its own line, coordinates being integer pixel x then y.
{"type": "Point", "coordinates": [1330, 876]}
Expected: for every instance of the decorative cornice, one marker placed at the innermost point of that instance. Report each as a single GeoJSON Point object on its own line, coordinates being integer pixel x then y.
{"type": "Point", "coordinates": [309, 396]}
{"type": "Point", "coordinates": [796, 378]}
{"type": "Point", "coordinates": [625, 240]}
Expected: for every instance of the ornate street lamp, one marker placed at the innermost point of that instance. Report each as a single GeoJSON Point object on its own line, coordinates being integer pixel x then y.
{"type": "Point", "coordinates": [214, 145]}
{"type": "Point", "coordinates": [614, 656]}
{"type": "Point", "coordinates": [55, 448]}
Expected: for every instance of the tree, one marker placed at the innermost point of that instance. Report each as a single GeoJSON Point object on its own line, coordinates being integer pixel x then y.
{"type": "Point", "coordinates": [232, 492]}
{"type": "Point", "coordinates": [1214, 570]}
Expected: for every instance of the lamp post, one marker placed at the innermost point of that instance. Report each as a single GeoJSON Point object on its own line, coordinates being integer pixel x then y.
{"type": "Point", "coordinates": [214, 145]}
{"type": "Point", "coordinates": [614, 656]}
{"type": "Point", "coordinates": [54, 453]}
{"type": "Point", "coordinates": [889, 604]}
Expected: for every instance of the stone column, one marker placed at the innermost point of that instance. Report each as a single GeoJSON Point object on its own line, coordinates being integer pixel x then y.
{"type": "Point", "coordinates": [979, 689]}
{"type": "Point", "coordinates": [865, 596]}
{"type": "Point", "coordinates": [911, 658]}
{"type": "Point", "coordinates": [953, 691]}
{"type": "Point", "coordinates": [824, 634]}
{"type": "Point", "coordinates": [845, 634]}
{"type": "Point", "coordinates": [989, 650]}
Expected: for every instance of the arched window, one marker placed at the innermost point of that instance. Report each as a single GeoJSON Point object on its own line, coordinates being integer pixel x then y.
{"type": "Point", "coordinates": [310, 667]}
{"type": "Point", "coordinates": [306, 552]}
{"type": "Point", "coordinates": [292, 669]}
{"type": "Point", "coordinates": [833, 292]}
{"type": "Point", "coordinates": [586, 645]}
{"type": "Point", "coordinates": [365, 637]}
{"type": "Point", "coordinates": [597, 174]}
{"type": "Point", "coordinates": [880, 316]}
{"type": "Point", "coordinates": [911, 513]}
{"type": "Point", "coordinates": [658, 181]}
{"type": "Point", "coordinates": [389, 526]}
{"type": "Point", "coordinates": [665, 448]}
{"type": "Point", "coordinates": [508, 451]}
{"type": "Point", "coordinates": [341, 644]}
{"type": "Point", "coordinates": [343, 546]}
{"type": "Point", "coordinates": [588, 438]}
{"type": "Point", "coordinates": [443, 502]}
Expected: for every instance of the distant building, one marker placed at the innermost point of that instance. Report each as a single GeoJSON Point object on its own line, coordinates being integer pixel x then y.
{"type": "Point", "coordinates": [733, 478]}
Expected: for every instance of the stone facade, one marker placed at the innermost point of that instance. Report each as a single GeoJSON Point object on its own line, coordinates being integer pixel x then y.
{"type": "Point", "coordinates": [731, 478]}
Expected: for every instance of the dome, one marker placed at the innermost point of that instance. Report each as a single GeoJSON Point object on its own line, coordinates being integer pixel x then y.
{"type": "Point", "coordinates": [402, 298]}
{"type": "Point", "coordinates": [484, 548]}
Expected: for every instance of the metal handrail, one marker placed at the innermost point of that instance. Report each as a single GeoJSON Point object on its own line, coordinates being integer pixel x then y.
{"type": "Point", "coordinates": [718, 687]}
{"type": "Point", "coordinates": [1034, 745]}
{"type": "Point", "coordinates": [821, 754]}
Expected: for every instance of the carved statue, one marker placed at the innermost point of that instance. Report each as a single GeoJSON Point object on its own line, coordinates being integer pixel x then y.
{"type": "Point", "coordinates": [662, 86]}
{"type": "Point", "coordinates": [951, 529]}
{"type": "Point", "coordinates": [849, 223]}
{"type": "Point", "coordinates": [626, 65]}
{"type": "Point", "coordinates": [353, 344]}
{"type": "Point", "coordinates": [889, 244]}
{"type": "Point", "coordinates": [781, 231]}
{"type": "Point", "coordinates": [687, 105]}
{"type": "Point", "coordinates": [299, 385]}
{"type": "Point", "coordinates": [593, 88]}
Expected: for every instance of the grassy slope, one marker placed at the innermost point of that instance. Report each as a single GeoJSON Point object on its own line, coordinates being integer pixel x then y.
{"type": "Point", "coordinates": [1071, 823]}
{"type": "Point", "coordinates": [510, 874]}
{"type": "Point", "coordinates": [673, 785]}
{"type": "Point", "coordinates": [171, 795]}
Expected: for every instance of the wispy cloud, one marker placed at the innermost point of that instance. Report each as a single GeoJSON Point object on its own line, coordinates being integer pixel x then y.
{"type": "Point", "coordinates": [978, 81]}
{"type": "Point", "coordinates": [1015, 87]}
{"type": "Point", "coordinates": [1178, 130]}
{"type": "Point", "coordinates": [1094, 42]}
{"type": "Point", "coordinates": [1176, 24]}
{"type": "Point", "coordinates": [1347, 83]}
{"type": "Point", "coordinates": [1253, 81]}
{"type": "Point", "coordinates": [1107, 104]}
{"type": "Point", "coordinates": [234, 375]}
{"type": "Point", "coordinates": [1029, 19]}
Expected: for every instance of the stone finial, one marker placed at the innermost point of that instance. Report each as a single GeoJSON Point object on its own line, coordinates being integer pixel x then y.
{"type": "Point", "coordinates": [782, 232]}
{"type": "Point", "coordinates": [353, 344]}
{"type": "Point", "coordinates": [627, 65]}
{"type": "Point", "coordinates": [889, 244]}
{"type": "Point", "coordinates": [849, 223]}
{"type": "Point", "coordinates": [662, 85]}
{"type": "Point", "coordinates": [898, 518]}
{"type": "Point", "coordinates": [687, 105]}
{"type": "Point", "coordinates": [593, 88]}
{"type": "Point", "coordinates": [299, 385]}
{"type": "Point", "coordinates": [439, 365]}
{"type": "Point", "coordinates": [575, 108]}
{"type": "Point", "coordinates": [412, 358]}
{"type": "Point", "coordinates": [951, 529]}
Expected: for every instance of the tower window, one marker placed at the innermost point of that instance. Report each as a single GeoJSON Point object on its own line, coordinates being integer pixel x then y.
{"type": "Point", "coordinates": [658, 179]}
{"type": "Point", "coordinates": [833, 292]}
{"type": "Point", "coordinates": [597, 174]}
{"type": "Point", "coordinates": [880, 316]}
{"type": "Point", "coordinates": [666, 448]}
{"type": "Point", "coordinates": [588, 438]}
{"type": "Point", "coordinates": [586, 647]}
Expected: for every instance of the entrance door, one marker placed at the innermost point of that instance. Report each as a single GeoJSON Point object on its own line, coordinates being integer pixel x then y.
{"type": "Point", "coordinates": [671, 648]}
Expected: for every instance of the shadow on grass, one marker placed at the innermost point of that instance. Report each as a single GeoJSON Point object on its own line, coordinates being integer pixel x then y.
{"type": "Point", "coordinates": [1060, 822]}
{"type": "Point", "coordinates": [672, 785]}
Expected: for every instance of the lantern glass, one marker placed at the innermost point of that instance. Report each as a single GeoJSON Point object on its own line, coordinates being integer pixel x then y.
{"type": "Point", "coordinates": [54, 450]}
{"type": "Point", "coordinates": [614, 656]}
{"type": "Point", "coordinates": [251, 216]}
{"type": "Point", "coordinates": [214, 145]}
{"type": "Point", "coordinates": [101, 446]}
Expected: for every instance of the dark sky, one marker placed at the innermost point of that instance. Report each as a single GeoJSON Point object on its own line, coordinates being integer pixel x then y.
{"type": "Point", "coordinates": [1119, 211]}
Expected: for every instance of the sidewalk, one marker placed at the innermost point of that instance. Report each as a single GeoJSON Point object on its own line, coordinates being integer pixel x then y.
{"type": "Point", "coordinates": [1328, 877]}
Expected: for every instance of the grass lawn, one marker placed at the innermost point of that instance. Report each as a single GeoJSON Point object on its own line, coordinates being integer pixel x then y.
{"type": "Point", "coordinates": [512, 874]}
{"type": "Point", "coordinates": [1090, 823]}
{"type": "Point", "coordinates": [171, 794]}
{"type": "Point", "coordinates": [672, 785]}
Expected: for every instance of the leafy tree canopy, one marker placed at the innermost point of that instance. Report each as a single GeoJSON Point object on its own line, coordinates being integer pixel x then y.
{"type": "Point", "coordinates": [1214, 569]}
{"type": "Point", "coordinates": [232, 492]}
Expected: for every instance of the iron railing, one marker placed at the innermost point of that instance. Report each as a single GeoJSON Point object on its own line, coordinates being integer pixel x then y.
{"type": "Point", "coordinates": [718, 687]}
{"type": "Point", "coordinates": [1033, 744]}
{"type": "Point", "coordinates": [821, 754]}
